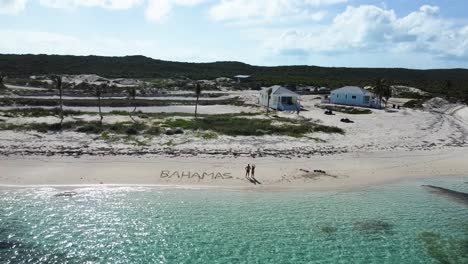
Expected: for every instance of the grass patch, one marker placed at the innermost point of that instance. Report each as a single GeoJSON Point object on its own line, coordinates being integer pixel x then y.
{"type": "Point", "coordinates": [154, 131]}
{"type": "Point", "coordinates": [212, 125]}
{"type": "Point", "coordinates": [327, 129]}
{"type": "Point", "coordinates": [251, 127]}
{"type": "Point", "coordinates": [208, 135]}
{"type": "Point", "coordinates": [39, 112]}
{"type": "Point", "coordinates": [414, 104]}
{"type": "Point", "coordinates": [412, 95]}
{"type": "Point", "coordinates": [83, 127]}
{"type": "Point", "coordinates": [114, 102]}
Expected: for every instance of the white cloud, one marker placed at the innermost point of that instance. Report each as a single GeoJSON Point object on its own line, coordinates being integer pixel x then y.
{"type": "Point", "coordinates": [370, 29]}
{"type": "Point", "coordinates": [108, 4]}
{"type": "Point", "coordinates": [156, 10]}
{"type": "Point", "coordinates": [269, 10]}
{"type": "Point", "coordinates": [12, 6]}
{"type": "Point", "coordinates": [55, 43]}
{"type": "Point", "coordinates": [159, 10]}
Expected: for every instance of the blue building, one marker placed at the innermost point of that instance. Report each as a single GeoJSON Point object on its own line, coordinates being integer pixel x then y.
{"type": "Point", "coordinates": [354, 96]}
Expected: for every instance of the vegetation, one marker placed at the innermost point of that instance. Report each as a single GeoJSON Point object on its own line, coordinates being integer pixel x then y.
{"type": "Point", "coordinates": [98, 95]}
{"type": "Point", "coordinates": [58, 82]}
{"type": "Point", "coordinates": [383, 90]}
{"type": "Point", "coordinates": [413, 104]}
{"type": "Point", "coordinates": [41, 112]}
{"type": "Point", "coordinates": [268, 101]}
{"type": "Point", "coordinates": [209, 135]}
{"type": "Point", "coordinates": [38, 112]}
{"type": "Point", "coordinates": [209, 126]}
{"type": "Point", "coordinates": [2, 77]}
{"type": "Point", "coordinates": [83, 127]}
{"type": "Point", "coordinates": [132, 98]}
{"type": "Point", "coordinates": [114, 102]}
{"type": "Point", "coordinates": [412, 95]}
{"type": "Point", "coordinates": [197, 92]}
{"type": "Point", "coordinates": [433, 81]}
{"type": "Point", "coordinates": [236, 126]}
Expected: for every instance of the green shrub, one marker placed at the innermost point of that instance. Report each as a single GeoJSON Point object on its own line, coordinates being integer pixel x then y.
{"type": "Point", "coordinates": [91, 128]}
{"type": "Point", "coordinates": [40, 112]}
{"type": "Point", "coordinates": [154, 131]}
{"type": "Point", "coordinates": [131, 131]}
{"type": "Point", "coordinates": [327, 129]}
{"type": "Point", "coordinates": [105, 136]}
{"type": "Point", "coordinates": [251, 127]}
{"type": "Point", "coordinates": [413, 104]}
{"type": "Point", "coordinates": [412, 95]}
{"type": "Point", "coordinates": [209, 135]}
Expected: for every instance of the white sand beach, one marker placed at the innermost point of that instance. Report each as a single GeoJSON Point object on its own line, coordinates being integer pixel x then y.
{"type": "Point", "coordinates": [380, 147]}
{"type": "Point", "coordinates": [343, 171]}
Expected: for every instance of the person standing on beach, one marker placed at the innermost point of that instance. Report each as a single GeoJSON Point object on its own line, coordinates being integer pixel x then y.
{"type": "Point", "coordinates": [252, 174]}
{"type": "Point", "coordinates": [247, 171]}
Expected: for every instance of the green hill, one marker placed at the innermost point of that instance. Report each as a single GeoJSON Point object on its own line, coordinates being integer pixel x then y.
{"type": "Point", "coordinates": [143, 67]}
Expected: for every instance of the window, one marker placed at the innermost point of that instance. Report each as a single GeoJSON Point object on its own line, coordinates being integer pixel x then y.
{"type": "Point", "coordinates": [366, 99]}
{"type": "Point", "coordinates": [354, 97]}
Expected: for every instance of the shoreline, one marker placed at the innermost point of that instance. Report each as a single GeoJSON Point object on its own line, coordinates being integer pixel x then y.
{"type": "Point", "coordinates": [344, 171]}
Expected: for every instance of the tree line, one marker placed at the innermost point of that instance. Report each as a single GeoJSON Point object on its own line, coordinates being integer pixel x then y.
{"type": "Point", "coordinates": [450, 83]}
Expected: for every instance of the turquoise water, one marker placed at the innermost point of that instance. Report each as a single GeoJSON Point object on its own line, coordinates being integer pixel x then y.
{"type": "Point", "coordinates": [384, 224]}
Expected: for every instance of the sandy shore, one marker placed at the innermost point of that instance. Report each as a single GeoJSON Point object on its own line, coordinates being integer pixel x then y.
{"type": "Point", "coordinates": [343, 171]}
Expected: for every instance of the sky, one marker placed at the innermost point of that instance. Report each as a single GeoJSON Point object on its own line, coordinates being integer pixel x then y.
{"type": "Point", "coordinates": [417, 34]}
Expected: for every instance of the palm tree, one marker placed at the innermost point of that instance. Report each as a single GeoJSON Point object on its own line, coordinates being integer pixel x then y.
{"type": "Point", "coordinates": [387, 93]}
{"type": "Point", "coordinates": [132, 96]}
{"type": "Point", "coordinates": [448, 88]}
{"type": "Point", "coordinates": [98, 95]}
{"type": "Point", "coordinates": [58, 82]}
{"type": "Point", "coordinates": [382, 90]}
{"type": "Point", "coordinates": [269, 91]}
{"type": "Point", "coordinates": [198, 91]}
{"type": "Point", "coordinates": [2, 76]}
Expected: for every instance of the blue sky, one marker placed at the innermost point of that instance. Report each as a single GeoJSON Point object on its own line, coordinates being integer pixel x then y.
{"type": "Point", "coordinates": [351, 33]}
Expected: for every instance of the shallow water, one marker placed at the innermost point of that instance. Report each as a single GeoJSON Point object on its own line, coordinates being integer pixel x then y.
{"type": "Point", "coordinates": [383, 224]}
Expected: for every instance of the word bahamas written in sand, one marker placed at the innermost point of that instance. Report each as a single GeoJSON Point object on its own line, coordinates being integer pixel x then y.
{"type": "Point", "coordinates": [195, 175]}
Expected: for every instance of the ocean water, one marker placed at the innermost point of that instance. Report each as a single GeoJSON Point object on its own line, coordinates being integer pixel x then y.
{"type": "Point", "coordinates": [397, 223]}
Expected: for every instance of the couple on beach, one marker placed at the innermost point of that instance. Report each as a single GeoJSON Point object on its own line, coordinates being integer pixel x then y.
{"type": "Point", "coordinates": [250, 174]}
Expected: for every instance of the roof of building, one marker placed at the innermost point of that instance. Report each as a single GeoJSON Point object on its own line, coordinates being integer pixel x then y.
{"type": "Point", "coordinates": [352, 90]}
{"type": "Point", "coordinates": [242, 76]}
{"type": "Point", "coordinates": [280, 90]}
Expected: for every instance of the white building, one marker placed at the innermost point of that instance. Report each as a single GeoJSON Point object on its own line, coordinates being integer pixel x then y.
{"type": "Point", "coordinates": [242, 78]}
{"type": "Point", "coordinates": [354, 96]}
{"type": "Point", "coordinates": [281, 99]}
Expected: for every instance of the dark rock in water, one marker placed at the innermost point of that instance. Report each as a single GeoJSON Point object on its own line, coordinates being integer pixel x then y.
{"type": "Point", "coordinates": [178, 131]}
{"type": "Point", "coordinates": [169, 132]}
{"type": "Point", "coordinates": [8, 244]}
{"type": "Point", "coordinates": [459, 197]}
{"type": "Point", "coordinates": [373, 227]}
{"type": "Point", "coordinates": [66, 194]}
{"type": "Point", "coordinates": [328, 229]}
